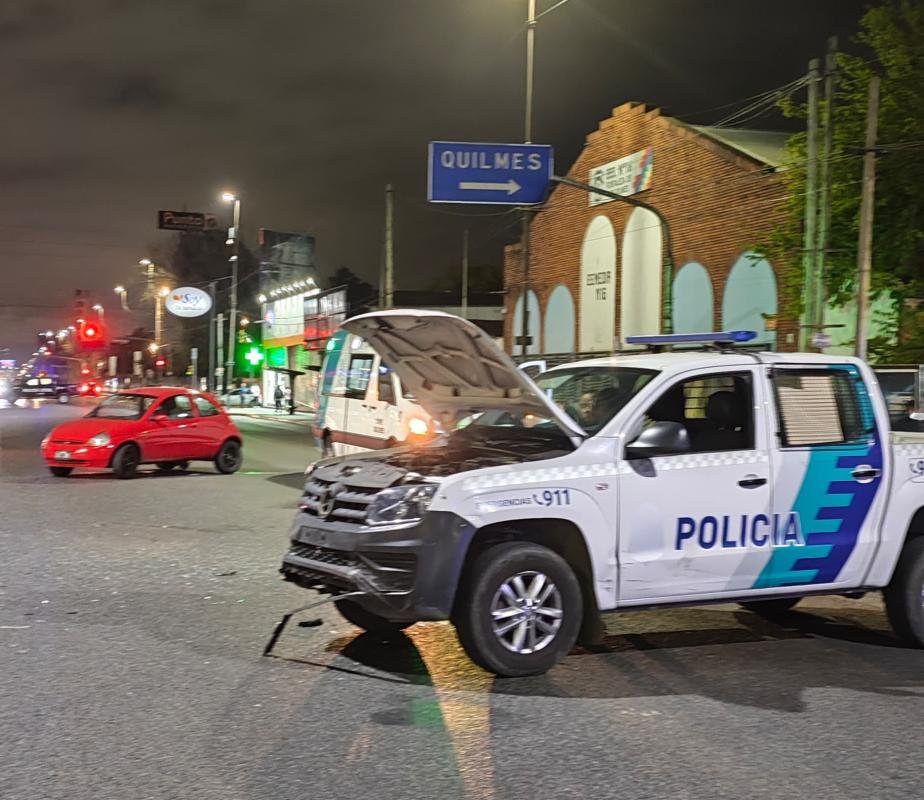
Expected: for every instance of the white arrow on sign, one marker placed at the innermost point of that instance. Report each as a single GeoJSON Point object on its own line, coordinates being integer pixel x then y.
{"type": "Point", "coordinates": [511, 186]}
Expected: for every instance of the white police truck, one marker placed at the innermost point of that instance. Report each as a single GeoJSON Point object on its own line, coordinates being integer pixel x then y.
{"type": "Point", "coordinates": [714, 474]}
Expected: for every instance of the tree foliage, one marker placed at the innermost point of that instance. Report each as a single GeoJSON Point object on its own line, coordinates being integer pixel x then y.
{"type": "Point", "coordinates": [890, 44]}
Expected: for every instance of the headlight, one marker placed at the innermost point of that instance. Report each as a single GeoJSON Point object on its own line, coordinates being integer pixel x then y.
{"type": "Point", "coordinates": [401, 504]}
{"type": "Point", "coordinates": [417, 426]}
{"type": "Point", "coordinates": [99, 440]}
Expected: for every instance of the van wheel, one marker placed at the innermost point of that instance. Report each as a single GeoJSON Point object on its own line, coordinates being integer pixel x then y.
{"type": "Point", "coordinates": [125, 461]}
{"type": "Point", "coordinates": [229, 458]}
{"type": "Point", "coordinates": [519, 609]}
{"type": "Point", "coordinates": [373, 623]}
{"type": "Point", "coordinates": [770, 608]}
{"type": "Point", "coordinates": [904, 596]}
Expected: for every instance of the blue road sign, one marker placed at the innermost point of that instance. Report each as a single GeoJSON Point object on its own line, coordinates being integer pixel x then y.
{"type": "Point", "coordinates": [504, 174]}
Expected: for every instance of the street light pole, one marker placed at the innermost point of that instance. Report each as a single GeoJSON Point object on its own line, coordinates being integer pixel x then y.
{"type": "Point", "coordinates": [527, 138]}
{"type": "Point", "coordinates": [235, 239]}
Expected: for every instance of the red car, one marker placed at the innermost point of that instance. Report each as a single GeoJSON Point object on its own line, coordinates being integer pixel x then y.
{"type": "Point", "coordinates": [168, 427]}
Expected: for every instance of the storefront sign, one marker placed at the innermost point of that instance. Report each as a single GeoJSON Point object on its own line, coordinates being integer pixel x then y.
{"type": "Point", "coordinates": [625, 176]}
{"type": "Point", "coordinates": [187, 301]}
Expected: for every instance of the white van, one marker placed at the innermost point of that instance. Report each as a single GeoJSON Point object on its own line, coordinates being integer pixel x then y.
{"type": "Point", "coordinates": [361, 403]}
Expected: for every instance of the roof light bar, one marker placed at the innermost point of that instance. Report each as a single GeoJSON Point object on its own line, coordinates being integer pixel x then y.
{"type": "Point", "coordinates": [694, 338]}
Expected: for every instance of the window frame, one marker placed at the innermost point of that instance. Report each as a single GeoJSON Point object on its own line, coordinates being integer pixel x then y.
{"type": "Point", "coordinates": [354, 392]}
{"type": "Point", "coordinates": [215, 411]}
{"type": "Point", "coordinates": [841, 374]}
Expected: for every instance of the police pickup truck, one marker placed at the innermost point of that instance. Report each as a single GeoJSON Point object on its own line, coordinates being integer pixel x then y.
{"type": "Point", "coordinates": [681, 476]}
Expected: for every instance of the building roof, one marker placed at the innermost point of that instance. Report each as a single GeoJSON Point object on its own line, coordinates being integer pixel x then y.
{"type": "Point", "coordinates": [767, 147]}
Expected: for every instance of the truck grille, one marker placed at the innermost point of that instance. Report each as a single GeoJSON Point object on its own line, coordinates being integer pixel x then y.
{"type": "Point", "coordinates": [336, 501]}
{"type": "Point", "coordinates": [388, 572]}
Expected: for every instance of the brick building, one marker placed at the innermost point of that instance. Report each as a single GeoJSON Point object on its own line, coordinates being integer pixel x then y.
{"type": "Point", "coordinates": [597, 268]}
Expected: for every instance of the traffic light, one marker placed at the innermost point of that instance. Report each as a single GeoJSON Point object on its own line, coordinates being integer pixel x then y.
{"type": "Point", "coordinates": [91, 335]}
{"type": "Point", "coordinates": [160, 362]}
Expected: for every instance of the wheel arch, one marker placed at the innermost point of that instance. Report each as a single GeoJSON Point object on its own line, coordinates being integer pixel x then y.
{"type": "Point", "coordinates": [562, 537]}
{"type": "Point", "coordinates": [134, 443]}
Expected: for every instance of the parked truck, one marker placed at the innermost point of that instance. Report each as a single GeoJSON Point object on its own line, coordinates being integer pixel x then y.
{"type": "Point", "coordinates": [715, 474]}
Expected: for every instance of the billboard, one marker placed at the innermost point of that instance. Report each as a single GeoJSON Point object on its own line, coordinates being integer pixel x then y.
{"type": "Point", "coordinates": [325, 312]}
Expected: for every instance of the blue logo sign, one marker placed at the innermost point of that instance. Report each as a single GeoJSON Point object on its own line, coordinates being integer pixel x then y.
{"type": "Point", "coordinates": [504, 174]}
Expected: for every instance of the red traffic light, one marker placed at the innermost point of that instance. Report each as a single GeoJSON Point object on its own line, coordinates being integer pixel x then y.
{"type": "Point", "coordinates": [160, 361]}
{"type": "Point", "coordinates": [91, 335]}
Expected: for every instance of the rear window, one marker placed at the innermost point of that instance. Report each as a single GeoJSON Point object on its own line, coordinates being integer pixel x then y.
{"type": "Point", "coordinates": [818, 407]}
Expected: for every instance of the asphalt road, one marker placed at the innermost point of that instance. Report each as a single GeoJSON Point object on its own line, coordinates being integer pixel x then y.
{"type": "Point", "coordinates": [133, 615]}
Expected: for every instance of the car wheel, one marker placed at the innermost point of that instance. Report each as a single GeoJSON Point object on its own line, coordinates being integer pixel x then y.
{"type": "Point", "coordinates": [373, 623]}
{"type": "Point", "coordinates": [125, 461]}
{"type": "Point", "coordinates": [773, 607]}
{"type": "Point", "coordinates": [64, 397]}
{"type": "Point", "coordinates": [229, 457]}
{"type": "Point", "coordinates": [61, 472]}
{"type": "Point", "coordinates": [904, 596]}
{"type": "Point", "coordinates": [519, 609]}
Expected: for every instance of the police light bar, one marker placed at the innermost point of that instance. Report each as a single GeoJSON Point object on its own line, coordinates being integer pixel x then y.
{"type": "Point", "coordinates": [693, 338]}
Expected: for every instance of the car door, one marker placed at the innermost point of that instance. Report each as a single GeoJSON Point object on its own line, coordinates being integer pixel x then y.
{"type": "Point", "coordinates": [827, 474]}
{"type": "Point", "coordinates": [170, 435]}
{"type": "Point", "coordinates": [696, 524]}
{"type": "Point", "coordinates": [211, 428]}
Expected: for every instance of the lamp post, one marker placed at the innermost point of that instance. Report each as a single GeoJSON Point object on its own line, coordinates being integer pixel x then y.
{"type": "Point", "coordinates": [123, 297]}
{"type": "Point", "coordinates": [234, 239]}
{"type": "Point", "coordinates": [527, 137]}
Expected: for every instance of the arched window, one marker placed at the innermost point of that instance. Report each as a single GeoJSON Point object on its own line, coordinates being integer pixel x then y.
{"type": "Point", "coordinates": [559, 322]}
{"type": "Point", "coordinates": [750, 293]}
{"type": "Point", "coordinates": [642, 267]}
{"type": "Point", "coordinates": [598, 286]}
{"type": "Point", "coordinates": [534, 324]}
{"type": "Point", "coordinates": [692, 301]}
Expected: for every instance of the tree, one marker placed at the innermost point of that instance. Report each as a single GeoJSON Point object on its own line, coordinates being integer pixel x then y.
{"type": "Point", "coordinates": [360, 293]}
{"type": "Point", "coordinates": [891, 44]}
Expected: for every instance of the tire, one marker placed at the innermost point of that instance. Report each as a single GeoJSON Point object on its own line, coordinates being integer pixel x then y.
{"type": "Point", "coordinates": [229, 458]}
{"type": "Point", "coordinates": [61, 472]}
{"type": "Point", "coordinates": [774, 607]}
{"type": "Point", "coordinates": [63, 397]}
{"type": "Point", "coordinates": [904, 596]}
{"type": "Point", "coordinates": [125, 461]}
{"type": "Point", "coordinates": [373, 623]}
{"type": "Point", "coordinates": [539, 641]}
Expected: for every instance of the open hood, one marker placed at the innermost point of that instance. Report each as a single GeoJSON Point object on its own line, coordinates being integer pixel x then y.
{"type": "Point", "coordinates": [448, 363]}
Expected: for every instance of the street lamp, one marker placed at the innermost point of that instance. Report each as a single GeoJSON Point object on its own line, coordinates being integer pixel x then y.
{"type": "Point", "coordinates": [159, 312]}
{"type": "Point", "coordinates": [99, 311]}
{"type": "Point", "coordinates": [234, 239]}
{"type": "Point", "coordinates": [123, 297]}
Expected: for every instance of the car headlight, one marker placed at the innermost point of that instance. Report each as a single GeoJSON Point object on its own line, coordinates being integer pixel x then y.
{"type": "Point", "coordinates": [99, 440]}
{"type": "Point", "coordinates": [401, 504]}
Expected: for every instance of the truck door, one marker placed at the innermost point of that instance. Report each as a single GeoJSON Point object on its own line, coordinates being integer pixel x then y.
{"type": "Point", "coordinates": [690, 523]}
{"type": "Point", "coordinates": [361, 401]}
{"type": "Point", "coordinates": [827, 472]}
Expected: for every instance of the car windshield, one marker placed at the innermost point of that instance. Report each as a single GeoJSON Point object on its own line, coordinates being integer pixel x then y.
{"type": "Point", "coordinates": [592, 396]}
{"type": "Point", "coordinates": [122, 406]}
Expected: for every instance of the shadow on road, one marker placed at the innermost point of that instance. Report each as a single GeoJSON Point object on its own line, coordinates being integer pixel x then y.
{"type": "Point", "coordinates": [293, 480]}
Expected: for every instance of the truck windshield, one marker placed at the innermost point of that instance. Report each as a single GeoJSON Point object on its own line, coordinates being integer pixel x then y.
{"type": "Point", "coordinates": [592, 396]}
{"type": "Point", "coordinates": [122, 406]}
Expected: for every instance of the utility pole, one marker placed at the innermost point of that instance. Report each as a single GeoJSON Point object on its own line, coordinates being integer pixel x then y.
{"type": "Point", "coordinates": [527, 138]}
{"type": "Point", "coordinates": [811, 207]}
{"type": "Point", "coordinates": [389, 298]}
{"type": "Point", "coordinates": [232, 321]}
{"type": "Point", "coordinates": [824, 209]}
{"type": "Point", "coordinates": [865, 247]}
{"type": "Point", "coordinates": [210, 382]}
{"type": "Point", "coordinates": [465, 274]}
{"type": "Point", "coordinates": [220, 322]}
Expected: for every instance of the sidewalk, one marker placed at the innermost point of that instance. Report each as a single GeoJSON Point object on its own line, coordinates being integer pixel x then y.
{"type": "Point", "coordinates": [263, 412]}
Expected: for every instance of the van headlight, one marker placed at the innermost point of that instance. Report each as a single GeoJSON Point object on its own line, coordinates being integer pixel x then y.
{"type": "Point", "coordinates": [99, 440]}
{"type": "Point", "coordinates": [401, 504]}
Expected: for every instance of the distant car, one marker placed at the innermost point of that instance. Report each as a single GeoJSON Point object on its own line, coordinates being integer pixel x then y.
{"type": "Point", "coordinates": [89, 389]}
{"type": "Point", "coordinates": [42, 386]}
{"type": "Point", "coordinates": [168, 427]}
{"type": "Point", "coordinates": [240, 398]}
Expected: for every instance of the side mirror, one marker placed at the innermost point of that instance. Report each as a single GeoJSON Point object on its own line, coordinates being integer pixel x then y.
{"type": "Point", "coordinates": [659, 439]}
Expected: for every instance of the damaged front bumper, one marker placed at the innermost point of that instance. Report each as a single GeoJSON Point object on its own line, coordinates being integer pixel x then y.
{"type": "Point", "coordinates": [406, 574]}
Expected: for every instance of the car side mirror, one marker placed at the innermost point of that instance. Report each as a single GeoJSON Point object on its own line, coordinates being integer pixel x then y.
{"type": "Point", "coordinates": [659, 439]}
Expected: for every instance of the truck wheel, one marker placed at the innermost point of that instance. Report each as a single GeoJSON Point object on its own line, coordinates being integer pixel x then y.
{"type": "Point", "coordinates": [125, 461]}
{"type": "Point", "coordinates": [373, 623]}
{"type": "Point", "coordinates": [904, 596]}
{"type": "Point", "coordinates": [773, 607]}
{"type": "Point", "coordinates": [519, 609]}
{"type": "Point", "coordinates": [229, 458]}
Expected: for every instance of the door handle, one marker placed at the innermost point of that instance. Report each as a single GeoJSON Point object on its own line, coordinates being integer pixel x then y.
{"type": "Point", "coordinates": [865, 473]}
{"type": "Point", "coordinates": [751, 482]}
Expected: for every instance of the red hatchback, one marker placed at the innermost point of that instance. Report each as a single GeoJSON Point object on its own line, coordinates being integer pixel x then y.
{"type": "Point", "coordinates": [168, 427]}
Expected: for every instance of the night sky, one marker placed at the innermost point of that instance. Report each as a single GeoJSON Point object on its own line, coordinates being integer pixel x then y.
{"type": "Point", "coordinates": [113, 109]}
